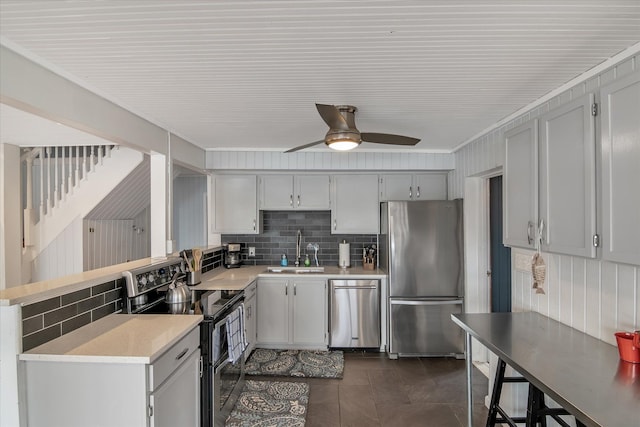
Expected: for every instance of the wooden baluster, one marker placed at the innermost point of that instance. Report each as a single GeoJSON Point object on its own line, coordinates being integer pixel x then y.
{"type": "Point", "coordinates": [100, 148]}
{"type": "Point", "coordinates": [63, 175]}
{"type": "Point", "coordinates": [56, 181]}
{"type": "Point", "coordinates": [41, 163]}
{"type": "Point", "coordinates": [77, 177]}
{"type": "Point", "coordinates": [108, 154]}
{"type": "Point", "coordinates": [49, 196]}
{"type": "Point", "coordinates": [92, 161]}
{"type": "Point", "coordinates": [84, 162]}
{"type": "Point", "coordinates": [70, 174]}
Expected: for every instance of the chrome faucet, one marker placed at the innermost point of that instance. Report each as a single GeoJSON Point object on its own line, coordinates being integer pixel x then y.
{"type": "Point", "coordinates": [298, 243]}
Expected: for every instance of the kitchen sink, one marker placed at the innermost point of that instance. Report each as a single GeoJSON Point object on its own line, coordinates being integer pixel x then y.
{"type": "Point", "coordinates": [296, 270]}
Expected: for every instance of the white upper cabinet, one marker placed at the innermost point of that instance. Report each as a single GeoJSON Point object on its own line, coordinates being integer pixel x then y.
{"type": "Point", "coordinates": [520, 185]}
{"type": "Point", "coordinates": [302, 192]}
{"type": "Point", "coordinates": [567, 178]}
{"type": "Point", "coordinates": [422, 186]}
{"type": "Point", "coordinates": [355, 208]}
{"type": "Point", "coordinates": [235, 204]}
{"type": "Point", "coordinates": [620, 119]}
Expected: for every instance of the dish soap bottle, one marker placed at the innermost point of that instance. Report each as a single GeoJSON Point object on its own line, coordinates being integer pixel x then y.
{"type": "Point", "coordinates": [307, 261]}
{"type": "Point", "coordinates": [284, 261]}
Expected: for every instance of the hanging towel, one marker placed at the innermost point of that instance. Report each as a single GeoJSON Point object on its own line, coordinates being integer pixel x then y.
{"type": "Point", "coordinates": [236, 337]}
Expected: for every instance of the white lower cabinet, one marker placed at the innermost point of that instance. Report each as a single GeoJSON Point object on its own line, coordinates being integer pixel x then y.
{"type": "Point", "coordinates": [250, 321]}
{"type": "Point", "coordinates": [176, 402]}
{"type": "Point", "coordinates": [292, 313]}
{"type": "Point", "coordinates": [84, 391]}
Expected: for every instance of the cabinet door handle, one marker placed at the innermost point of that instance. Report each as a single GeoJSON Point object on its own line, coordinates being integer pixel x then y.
{"type": "Point", "coordinates": [298, 200]}
{"type": "Point", "coordinates": [286, 289]}
{"type": "Point", "coordinates": [294, 290]}
{"type": "Point", "coordinates": [181, 355]}
{"type": "Point", "coordinates": [254, 225]}
{"type": "Point", "coordinates": [529, 229]}
{"type": "Point", "coordinates": [291, 200]}
{"type": "Point", "coordinates": [335, 224]}
{"type": "Point", "coordinates": [418, 193]}
{"type": "Point", "coordinates": [410, 192]}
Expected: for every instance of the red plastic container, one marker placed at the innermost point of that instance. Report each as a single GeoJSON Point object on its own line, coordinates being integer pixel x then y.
{"type": "Point", "coordinates": [629, 346]}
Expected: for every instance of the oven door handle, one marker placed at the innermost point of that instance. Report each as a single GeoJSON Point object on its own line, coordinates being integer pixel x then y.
{"type": "Point", "coordinates": [222, 364]}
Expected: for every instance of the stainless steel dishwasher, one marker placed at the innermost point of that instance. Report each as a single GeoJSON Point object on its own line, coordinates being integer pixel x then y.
{"type": "Point", "coordinates": [354, 313]}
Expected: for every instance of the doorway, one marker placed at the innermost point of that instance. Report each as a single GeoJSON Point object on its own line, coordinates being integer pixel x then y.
{"type": "Point", "coordinates": [499, 254]}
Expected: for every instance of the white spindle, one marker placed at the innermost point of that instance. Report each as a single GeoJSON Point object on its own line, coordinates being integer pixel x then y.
{"type": "Point", "coordinates": [56, 192]}
{"type": "Point", "coordinates": [84, 162]}
{"type": "Point", "coordinates": [92, 163]}
{"type": "Point", "coordinates": [41, 183]}
{"type": "Point", "coordinates": [77, 151]}
{"type": "Point", "coordinates": [49, 198]}
{"type": "Point", "coordinates": [109, 150]}
{"type": "Point", "coordinates": [70, 174]}
{"type": "Point", "coordinates": [63, 175]}
{"type": "Point", "coordinates": [100, 155]}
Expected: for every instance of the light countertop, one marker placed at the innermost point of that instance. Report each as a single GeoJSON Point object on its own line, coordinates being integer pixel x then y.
{"type": "Point", "coordinates": [239, 278]}
{"type": "Point", "coordinates": [117, 338]}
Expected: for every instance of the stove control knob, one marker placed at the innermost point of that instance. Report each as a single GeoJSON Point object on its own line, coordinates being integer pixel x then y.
{"type": "Point", "coordinates": [142, 281]}
{"type": "Point", "coordinates": [162, 271]}
{"type": "Point", "coordinates": [151, 278]}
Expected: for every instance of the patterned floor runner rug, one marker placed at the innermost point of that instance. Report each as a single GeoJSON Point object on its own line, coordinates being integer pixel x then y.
{"type": "Point", "coordinates": [296, 363]}
{"type": "Point", "coordinates": [270, 403]}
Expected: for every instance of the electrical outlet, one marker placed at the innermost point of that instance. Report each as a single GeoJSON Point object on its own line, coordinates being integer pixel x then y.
{"type": "Point", "coordinates": [252, 251]}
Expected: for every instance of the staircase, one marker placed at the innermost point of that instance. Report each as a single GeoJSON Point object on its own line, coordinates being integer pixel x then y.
{"type": "Point", "coordinates": [63, 184]}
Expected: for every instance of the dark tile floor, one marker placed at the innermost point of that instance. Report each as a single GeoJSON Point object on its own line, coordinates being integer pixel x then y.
{"type": "Point", "coordinates": [377, 391]}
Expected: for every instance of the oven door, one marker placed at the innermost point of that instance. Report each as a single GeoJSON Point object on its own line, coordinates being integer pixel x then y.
{"type": "Point", "coordinates": [228, 380]}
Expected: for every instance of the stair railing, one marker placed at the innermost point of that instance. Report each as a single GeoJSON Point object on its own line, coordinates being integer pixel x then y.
{"type": "Point", "coordinates": [52, 174]}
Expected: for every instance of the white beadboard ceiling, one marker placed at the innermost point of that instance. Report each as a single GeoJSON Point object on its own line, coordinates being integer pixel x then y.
{"type": "Point", "coordinates": [246, 74]}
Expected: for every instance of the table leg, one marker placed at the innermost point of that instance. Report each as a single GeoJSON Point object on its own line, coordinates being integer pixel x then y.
{"type": "Point", "coordinates": [469, 363]}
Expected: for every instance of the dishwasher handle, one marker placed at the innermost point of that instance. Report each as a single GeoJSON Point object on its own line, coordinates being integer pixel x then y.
{"type": "Point", "coordinates": [354, 287]}
{"type": "Point", "coordinates": [426, 302]}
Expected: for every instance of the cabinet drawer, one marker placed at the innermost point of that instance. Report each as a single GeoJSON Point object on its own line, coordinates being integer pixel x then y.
{"type": "Point", "coordinates": [162, 368]}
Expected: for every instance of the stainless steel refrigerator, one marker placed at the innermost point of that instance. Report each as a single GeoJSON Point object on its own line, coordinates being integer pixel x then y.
{"type": "Point", "coordinates": [421, 246]}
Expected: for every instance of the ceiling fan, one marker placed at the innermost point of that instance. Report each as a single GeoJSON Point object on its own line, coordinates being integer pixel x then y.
{"type": "Point", "coordinates": [343, 134]}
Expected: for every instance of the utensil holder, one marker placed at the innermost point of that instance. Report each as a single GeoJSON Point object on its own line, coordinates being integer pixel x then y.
{"type": "Point", "coordinates": [193, 277]}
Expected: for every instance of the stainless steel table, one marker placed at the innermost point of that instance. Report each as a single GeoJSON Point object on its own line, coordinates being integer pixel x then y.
{"type": "Point", "coordinates": [581, 373]}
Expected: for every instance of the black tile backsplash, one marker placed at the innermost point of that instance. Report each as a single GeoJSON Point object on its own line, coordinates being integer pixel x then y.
{"type": "Point", "coordinates": [52, 318]}
{"type": "Point", "coordinates": [279, 236]}
{"type": "Point", "coordinates": [211, 260]}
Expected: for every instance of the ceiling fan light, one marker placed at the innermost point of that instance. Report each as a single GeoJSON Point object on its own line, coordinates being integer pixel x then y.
{"type": "Point", "coordinates": [342, 144]}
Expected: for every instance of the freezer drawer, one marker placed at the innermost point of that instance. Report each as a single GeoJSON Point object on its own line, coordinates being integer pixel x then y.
{"type": "Point", "coordinates": [423, 327]}
{"type": "Point", "coordinates": [355, 313]}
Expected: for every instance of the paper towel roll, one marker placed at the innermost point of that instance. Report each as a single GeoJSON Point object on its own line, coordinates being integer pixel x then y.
{"type": "Point", "coordinates": [344, 258]}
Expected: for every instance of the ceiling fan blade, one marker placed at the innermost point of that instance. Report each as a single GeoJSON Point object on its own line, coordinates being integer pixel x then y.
{"type": "Point", "coordinates": [302, 147]}
{"type": "Point", "coordinates": [386, 138]}
{"type": "Point", "coordinates": [332, 117]}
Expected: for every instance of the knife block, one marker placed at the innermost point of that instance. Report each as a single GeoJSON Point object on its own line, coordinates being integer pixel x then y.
{"type": "Point", "coordinates": [369, 263]}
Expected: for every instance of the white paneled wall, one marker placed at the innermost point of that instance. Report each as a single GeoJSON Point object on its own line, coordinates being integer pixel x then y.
{"type": "Point", "coordinates": [190, 211]}
{"type": "Point", "coordinates": [108, 242]}
{"type": "Point", "coordinates": [355, 160]}
{"type": "Point", "coordinates": [62, 257]}
{"type": "Point", "coordinates": [594, 296]}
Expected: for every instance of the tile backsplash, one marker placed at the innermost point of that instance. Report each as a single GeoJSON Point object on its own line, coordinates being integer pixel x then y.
{"type": "Point", "coordinates": [54, 317]}
{"type": "Point", "coordinates": [279, 237]}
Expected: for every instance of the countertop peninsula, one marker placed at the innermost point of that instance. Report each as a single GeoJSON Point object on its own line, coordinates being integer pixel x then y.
{"type": "Point", "coordinates": [118, 338]}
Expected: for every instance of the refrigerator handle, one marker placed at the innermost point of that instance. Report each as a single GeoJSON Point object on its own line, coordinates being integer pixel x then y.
{"type": "Point", "coordinates": [426, 302]}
